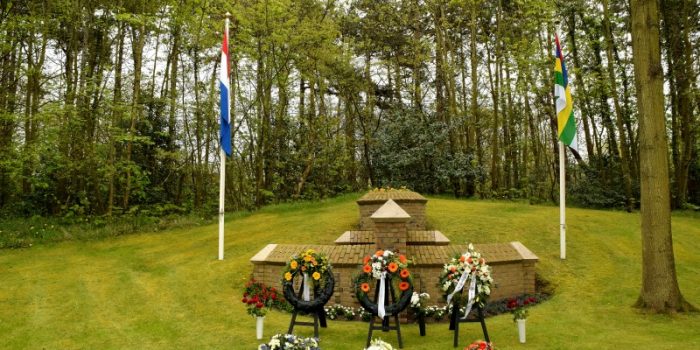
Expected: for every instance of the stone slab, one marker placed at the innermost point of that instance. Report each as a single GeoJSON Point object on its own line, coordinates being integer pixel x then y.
{"type": "Point", "coordinates": [396, 195]}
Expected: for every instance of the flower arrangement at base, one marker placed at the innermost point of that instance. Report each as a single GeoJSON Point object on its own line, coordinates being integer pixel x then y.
{"type": "Point", "coordinates": [290, 342]}
{"type": "Point", "coordinates": [518, 307]}
{"type": "Point", "coordinates": [419, 303]}
{"type": "Point", "coordinates": [480, 345]}
{"type": "Point", "coordinates": [318, 278]}
{"type": "Point", "coordinates": [393, 268]}
{"type": "Point", "coordinates": [378, 344]}
{"type": "Point", "coordinates": [259, 298]}
{"type": "Point", "coordinates": [466, 269]}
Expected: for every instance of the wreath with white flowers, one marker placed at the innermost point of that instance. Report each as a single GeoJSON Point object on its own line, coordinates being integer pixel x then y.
{"type": "Point", "coordinates": [466, 270]}
{"type": "Point", "coordinates": [392, 268]}
{"type": "Point", "coordinates": [318, 277]}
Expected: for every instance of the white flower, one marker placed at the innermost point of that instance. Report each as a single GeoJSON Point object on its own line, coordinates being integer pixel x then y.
{"type": "Point", "coordinates": [470, 247]}
{"type": "Point", "coordinates": [446, 285]}
{"type": "Point", "coordinates": [387, 253]}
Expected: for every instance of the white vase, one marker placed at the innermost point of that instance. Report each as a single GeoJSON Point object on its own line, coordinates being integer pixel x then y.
{"type": "Point", "coordinates": [521, 330]}
{"type": "Point", "coordinates": [259, 327]}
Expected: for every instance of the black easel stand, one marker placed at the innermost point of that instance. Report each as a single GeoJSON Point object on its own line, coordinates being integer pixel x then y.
{"type": "Point", "coordinates": [455, 321]}
{"type": "Point", "coordinates": [385, 327]}
{"type": "Point", "coordinates": [318, 314]}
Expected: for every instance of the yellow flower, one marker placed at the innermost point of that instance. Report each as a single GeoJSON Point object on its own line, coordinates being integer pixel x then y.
{"type": "Point", "coordinates": [307, 258]}
{"type": "Point", "coordinates": [287, 276]}
{"type": "Point", "coordinates": [293, 265]}
{"type": "Point", "coordinates": [316, 276]}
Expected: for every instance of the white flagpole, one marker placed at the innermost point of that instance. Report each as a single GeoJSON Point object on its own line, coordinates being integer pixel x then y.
{"type": "Point", "coordinates": [222, 181]}
{"type": "Point", "coordinates": [562, 201]}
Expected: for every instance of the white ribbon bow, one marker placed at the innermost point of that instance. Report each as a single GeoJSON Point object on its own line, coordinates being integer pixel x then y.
{"type": "Point", "coordinates": [472, 295]}
{"type": "Point", "coordinates": [380, 298]}
{"type": "Point", "coordinates": [458, 288]}
{"type": "Point", "coordinates": [306, 294]}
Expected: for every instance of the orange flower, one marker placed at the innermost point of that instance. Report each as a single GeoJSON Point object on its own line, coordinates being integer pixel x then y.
{"type": "Point", "coordinates": [404, 273]}
{"type": "Point", "coordinates": [402, 259]}
{"type": "Point", "coordinates": [453, 268]}
{"type": "Point", "coordinates": [364, 287]}
{"type": "Point", "coordinates": [303, 267]}
{"type": "Point", "coordinates": [367, 269]}
{"type": "Point", "coordinates": [366, 260]}
{"type": "Point", "coordinates": [462, 258]}
{"type": "Point", "coordinates": [403, 286]}
{"type": "Point", "coordinates": [393, 267]}
{"type": "Point", "coordinates": [379, 253]}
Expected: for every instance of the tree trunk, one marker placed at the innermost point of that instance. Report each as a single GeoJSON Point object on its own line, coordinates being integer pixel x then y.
{"type": "Point", "coordinates": [660, 291]}
{"type": "Point", "coordinates": [624, 147]}
{"type": "Point", "coordinates": [138, 41]}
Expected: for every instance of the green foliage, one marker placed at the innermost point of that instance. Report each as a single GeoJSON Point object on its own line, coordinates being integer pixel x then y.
{"type": "Point", "coordinates": [592, 190]}
{"type": "Point", "coordinates": [412, 150]}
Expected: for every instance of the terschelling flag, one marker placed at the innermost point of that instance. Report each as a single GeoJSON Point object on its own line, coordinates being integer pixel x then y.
{"type": "Point", "coordinates": [564, 102]}
{"type": "Point", "coordinates": [224, 87]}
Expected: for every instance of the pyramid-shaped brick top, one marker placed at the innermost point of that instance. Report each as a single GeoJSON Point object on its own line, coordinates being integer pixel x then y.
{"type": "Point", "coordinates": [382, 195]}
{"type": "Point", "coordinates": [390, 212]}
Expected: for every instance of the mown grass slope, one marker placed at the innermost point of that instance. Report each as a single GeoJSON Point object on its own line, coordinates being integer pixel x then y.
{"type": "Point", "coordinates": [167, 290]}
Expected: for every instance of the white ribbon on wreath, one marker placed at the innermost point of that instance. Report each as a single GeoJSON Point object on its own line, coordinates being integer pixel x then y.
{"type": "Point", "coordinates": [471, 293]}
{"type": "Point", "coordinates": [306, 294]}
{"type": "Point", "coordinates": [458, 288]}
{"type": "Point", "coordinates": [380, 298]}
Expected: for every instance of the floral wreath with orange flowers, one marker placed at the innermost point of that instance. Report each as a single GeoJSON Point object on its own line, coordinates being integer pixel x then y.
{"type": "Point", "coordinates": [394, 268]}
{"type": "Point", "coordinates": [317, 273]}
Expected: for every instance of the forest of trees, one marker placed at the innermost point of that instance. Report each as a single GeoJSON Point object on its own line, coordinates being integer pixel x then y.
{"type": "Point", "coordinates": [111, 107]}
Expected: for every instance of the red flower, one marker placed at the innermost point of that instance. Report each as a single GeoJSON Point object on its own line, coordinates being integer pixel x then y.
{"type": "Point", "coordinates": [402, 259]}
{"type": "Point", "coordinates": [482, 345]}
{"type": "Point", "coordinates": [366, 259]}
{"type": "Point", "coordinates": [404, 273]}
{"type": "Point", "coordinates": [453, 269]}
{"type": "Point", "coordinates": [259, 305]}
{"type": "Point", "coordinates": [245, 300]}
{"type": "Point", "coordinates": [274, 296]}
{"type": "Point", "coordinates": [469, 261]}
{"type": "Point", "coordinates": [403, 286]}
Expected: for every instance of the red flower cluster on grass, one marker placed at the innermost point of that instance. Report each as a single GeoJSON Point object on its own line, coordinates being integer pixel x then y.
{"type": "Point", "coordinates": [258, 296]}
{"type": "Point", "coordinates": [480, 345]}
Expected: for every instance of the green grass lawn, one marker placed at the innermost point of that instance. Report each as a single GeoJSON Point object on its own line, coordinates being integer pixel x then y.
{"type": "Point", "coordinates": [168, 290]}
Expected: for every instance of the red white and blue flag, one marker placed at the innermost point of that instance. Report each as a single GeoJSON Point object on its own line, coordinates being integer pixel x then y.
{"type": "Point", "coordinates": [225, 90]}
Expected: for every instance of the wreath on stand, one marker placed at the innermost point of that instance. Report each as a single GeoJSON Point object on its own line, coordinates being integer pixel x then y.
{"type": "Point", "coordinates": [394, 269]}
{"type": "Point", "coordinates": [469, 272]}
{"type": "Point", "coordinates": [317, 273]}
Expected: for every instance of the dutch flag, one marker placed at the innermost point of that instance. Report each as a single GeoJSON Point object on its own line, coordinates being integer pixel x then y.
{"type": "Point", "coordinates": [224, 86]}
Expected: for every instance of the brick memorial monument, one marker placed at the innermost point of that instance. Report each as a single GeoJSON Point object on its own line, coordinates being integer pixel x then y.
{"type": "Point", "coordinates": [396, 220]}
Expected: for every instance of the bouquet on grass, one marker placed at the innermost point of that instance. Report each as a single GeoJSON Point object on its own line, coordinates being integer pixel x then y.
{"type": "Point", "coordinates": [259, 298]}
{"type": "Point", "coordinates": [480, 345]}
{"type": "Point", "coordinates": [290, 342]}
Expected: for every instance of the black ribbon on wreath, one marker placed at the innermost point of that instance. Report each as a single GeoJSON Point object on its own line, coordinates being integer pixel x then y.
{"type": "Point", "coordinates": [392, 308]}
{"type": "Point", "coordinates": [314, 306]}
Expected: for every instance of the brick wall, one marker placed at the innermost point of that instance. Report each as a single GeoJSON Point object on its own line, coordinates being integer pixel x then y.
{"type": "Point", "coordinates": [510, 279]}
